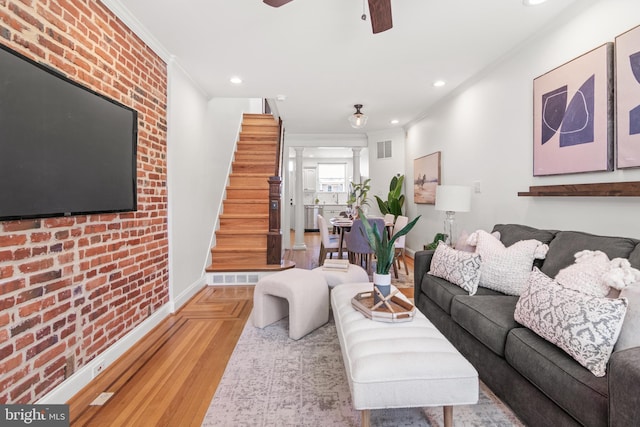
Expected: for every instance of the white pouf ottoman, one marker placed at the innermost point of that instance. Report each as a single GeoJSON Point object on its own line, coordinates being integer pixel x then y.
{"type": "Point", "coordinates": [354, 274]}
{"type": "Point", "coordinates": [399, 365]}
{"type": "Point", "coordinates": [300, 294]}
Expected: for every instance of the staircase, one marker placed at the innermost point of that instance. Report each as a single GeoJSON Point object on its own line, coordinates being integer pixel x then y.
{"type": "Point", "coordinates": [241, 240]}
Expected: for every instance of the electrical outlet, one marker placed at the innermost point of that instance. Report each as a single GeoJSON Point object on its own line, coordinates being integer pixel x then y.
{"type": "Point", "coordinates": [99, 367]}
{"type": "Point", "coordinates": [476, 187]}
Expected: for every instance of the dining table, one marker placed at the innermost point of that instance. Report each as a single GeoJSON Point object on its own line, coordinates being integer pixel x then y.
{"type": "Point", "coordinates": [343, 224]}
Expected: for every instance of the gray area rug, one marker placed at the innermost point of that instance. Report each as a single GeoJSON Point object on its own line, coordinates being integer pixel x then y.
{"type": "Point", "coordinates": [271, 380]}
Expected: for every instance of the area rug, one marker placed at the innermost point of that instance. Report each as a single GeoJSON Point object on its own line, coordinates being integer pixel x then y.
{"type": "Point", "coordinates": [272, 380]}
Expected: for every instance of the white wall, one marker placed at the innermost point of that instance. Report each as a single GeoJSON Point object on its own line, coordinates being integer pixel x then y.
{"type": "Point", "coordinates": [484, 132]}
{"type": "Point", "coordinates": [200, 143]}
{"type": "Point", "coordinates": [381, 171]}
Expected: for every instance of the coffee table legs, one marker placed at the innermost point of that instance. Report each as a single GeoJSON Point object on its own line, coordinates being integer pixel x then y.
{"type": "Point", "coordinates": [365, 414]}
{"type": "Point", "coordinates": [448, 416]}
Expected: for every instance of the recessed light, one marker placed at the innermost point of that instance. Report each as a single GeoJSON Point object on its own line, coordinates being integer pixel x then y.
{"type": "Point", "coordinates": [235, 80]}
{"type": "Point", "coordinates": [395, 121]}
{"type": "Point", "coordinates": [532, 2]}
{"type": "Point", "coordinates": [439, 83]}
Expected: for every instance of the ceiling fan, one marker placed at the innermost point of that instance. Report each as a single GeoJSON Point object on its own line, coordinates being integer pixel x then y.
{"type": "Point", "coordinates": [380, 11]}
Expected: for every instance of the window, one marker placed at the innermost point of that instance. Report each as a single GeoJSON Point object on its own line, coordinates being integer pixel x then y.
{"type": "Point", "coordinates": [384, 149]}
{"type": "Point", "coordinates": [332, 177]}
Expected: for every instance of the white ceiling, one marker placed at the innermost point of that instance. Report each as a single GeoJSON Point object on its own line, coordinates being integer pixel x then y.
{"type": "Point", "coordinates": [324, 58]}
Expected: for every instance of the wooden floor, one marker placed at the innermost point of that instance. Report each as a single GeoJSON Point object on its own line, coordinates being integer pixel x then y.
{"type": "Point", "coordinates": [171, 375]}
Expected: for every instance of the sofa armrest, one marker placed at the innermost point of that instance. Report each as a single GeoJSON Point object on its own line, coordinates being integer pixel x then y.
{"type": "Point", "coordinates": [421, 265]}
{"type": "Point", "coordinates": [624, 377]}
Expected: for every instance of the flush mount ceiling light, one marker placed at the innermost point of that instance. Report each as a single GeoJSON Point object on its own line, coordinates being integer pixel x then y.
{"type": "Point", "coordinates": [439, 83]}
{"type": "Point", "coordinates": [235, 80]}
{"type": "Point", "coordinates": [358, 120]}
{"type": "Point", "coordinates": [532, 2]}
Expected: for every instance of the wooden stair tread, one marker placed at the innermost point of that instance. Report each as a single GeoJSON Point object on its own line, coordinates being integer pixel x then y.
{"type": "Point", "coordinates": [229, 267]}
{"type": "Point", "coordinates": [241, 201]}
{"type": "Point", "coordinates": [242, 231]}
{"type": "Point", "coordinates": [244, 215]}
{"type": "Point", "coordinates": [233, 249]}
{"type": "Point", "coordinates": [250, 175]}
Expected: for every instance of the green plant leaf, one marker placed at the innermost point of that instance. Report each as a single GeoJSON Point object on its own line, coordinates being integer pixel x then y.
{"type": "Point", "coordinates": [383, 246]}
{"type": "Point", "coordinates": [382, 205]}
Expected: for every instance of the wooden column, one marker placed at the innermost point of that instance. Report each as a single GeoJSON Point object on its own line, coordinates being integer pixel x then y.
{"type": "Point", "coordinates": [274, 236]}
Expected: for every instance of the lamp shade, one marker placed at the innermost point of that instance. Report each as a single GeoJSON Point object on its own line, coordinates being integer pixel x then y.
{"type": "Point", "coordinates": [453, 198]}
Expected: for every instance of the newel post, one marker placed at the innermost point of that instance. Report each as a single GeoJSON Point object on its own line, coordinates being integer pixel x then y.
{"type": "Point", "coordinates": [274, 236]}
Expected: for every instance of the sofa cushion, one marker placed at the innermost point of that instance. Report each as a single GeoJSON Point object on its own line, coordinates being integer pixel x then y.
{"type": "Point", "coordinates": [506, 269]}
{"type": "Point", "coordinates": [585, 327]}
{"type": "Point", "coordinates": [634, 257]}
{"type": "Point", "coordinates": [512, 233]}
{"type": "Point", "coordinates": [458, 267]}
{"type": "Point", "coordinates": [489, 318]}
{"type": "Point", "coordinates": [442, 292]}
{"type": "Point", "coordinates": [562, 379]}
{"type": "Point", "coordinates": [630, 332]}
{"type": "Point", "coordinates": [566, 243]}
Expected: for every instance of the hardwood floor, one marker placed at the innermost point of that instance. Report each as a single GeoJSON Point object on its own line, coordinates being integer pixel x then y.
{"type": "Point", "coordinates": [171, 375]}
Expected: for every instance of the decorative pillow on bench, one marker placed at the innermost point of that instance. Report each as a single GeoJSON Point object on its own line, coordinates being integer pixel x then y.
{"type": "Point", "coordinates": [458, 267]}
{"type": "Point", "coordinates": [506, 269]}
{"type": "Point", "coordinates": [585, 327]}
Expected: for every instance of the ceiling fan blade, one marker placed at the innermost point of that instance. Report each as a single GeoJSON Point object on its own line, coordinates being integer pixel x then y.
{"type": "Point", "coordinates": [276, 3]}
{"type": "Point", "coordinates": [380, 11]}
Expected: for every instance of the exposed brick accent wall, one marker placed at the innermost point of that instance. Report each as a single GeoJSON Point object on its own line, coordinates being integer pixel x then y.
{"type": "Point", "coordinates": [71, 287]}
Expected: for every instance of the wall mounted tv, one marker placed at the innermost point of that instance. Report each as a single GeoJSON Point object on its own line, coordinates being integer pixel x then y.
{"type": "Point", "coordinates": [64, 149]}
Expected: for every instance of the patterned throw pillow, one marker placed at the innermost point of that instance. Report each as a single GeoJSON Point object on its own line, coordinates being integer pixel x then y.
{"type": "Point", "coordinates": [506, 269]}
{"type": "Point", "coordinates": [458, 267]}
{"type": "Point", "coordinates": [585, 327]}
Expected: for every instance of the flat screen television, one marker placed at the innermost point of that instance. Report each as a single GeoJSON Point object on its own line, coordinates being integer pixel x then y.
{"type": "Point", "coordinates": [64, 149]}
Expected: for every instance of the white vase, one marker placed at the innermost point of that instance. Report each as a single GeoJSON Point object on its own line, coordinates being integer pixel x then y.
{"type": "Point", "coordinates": [383, 283]}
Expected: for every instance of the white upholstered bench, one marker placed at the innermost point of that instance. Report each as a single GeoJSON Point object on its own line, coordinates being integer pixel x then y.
{"type": "Point", "coordinates": [399, 365]}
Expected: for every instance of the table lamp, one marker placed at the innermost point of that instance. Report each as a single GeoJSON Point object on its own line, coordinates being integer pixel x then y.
{"type": "Point", "coordinates": [452, 199]}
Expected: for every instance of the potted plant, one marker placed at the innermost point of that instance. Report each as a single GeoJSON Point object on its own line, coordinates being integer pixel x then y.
{"type": "Point", "coordinates": [395, 198]}
{"type": "Point", "coordinates": [384, 249]}
{"type": "Point", "coordinates": [358, 195]}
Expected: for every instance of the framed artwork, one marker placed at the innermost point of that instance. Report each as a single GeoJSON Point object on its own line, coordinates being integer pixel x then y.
{"type": "Point", "coordinates": [573, 116]}
{"type": "Point", "coordinates": [628, 98]}
{"type": "Point", "coordinates": [426, 177]}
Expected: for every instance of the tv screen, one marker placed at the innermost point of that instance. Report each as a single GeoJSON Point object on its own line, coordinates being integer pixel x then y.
{"type": "Point", "coordinates": [64, 149]}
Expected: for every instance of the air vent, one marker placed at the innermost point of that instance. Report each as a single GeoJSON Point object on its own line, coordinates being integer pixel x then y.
{"type": "Point", "coordinates": [384, 149]}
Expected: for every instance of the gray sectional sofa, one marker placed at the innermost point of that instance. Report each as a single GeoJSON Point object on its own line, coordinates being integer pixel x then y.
{"type": "Point", "coordinates": [540, 382]}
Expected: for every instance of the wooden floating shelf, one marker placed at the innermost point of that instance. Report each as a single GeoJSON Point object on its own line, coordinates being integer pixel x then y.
{"type": "Point", "coordinates": [604, 189]}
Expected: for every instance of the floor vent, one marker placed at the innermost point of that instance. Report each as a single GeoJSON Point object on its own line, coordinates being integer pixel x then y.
{"type": "Point", "coordinates": [101, 399]}
{"type": "Point", "coordinates": [233, 278]}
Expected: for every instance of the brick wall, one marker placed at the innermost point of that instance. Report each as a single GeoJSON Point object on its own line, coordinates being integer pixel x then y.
{"type": "Point", "coordinates": [71, 287]}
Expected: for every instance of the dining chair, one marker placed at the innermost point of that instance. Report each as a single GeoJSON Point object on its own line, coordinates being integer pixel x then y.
{"type": "Point", "coordinates": [329, 243]}
{"type": "Point", "coordinates": [357, 244]}
{"type": "Point", "coordinates": [401, 222]}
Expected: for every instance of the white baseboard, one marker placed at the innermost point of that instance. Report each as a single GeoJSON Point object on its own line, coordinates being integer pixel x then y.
{"type": "Point", "coordinates": [83, 376]}
{"type": "Point", "coordinates": [187, 294]}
